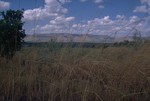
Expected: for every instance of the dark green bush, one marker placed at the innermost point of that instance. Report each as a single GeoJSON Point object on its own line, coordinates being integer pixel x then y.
{"type": "Point", "coordinates": [11, 32]}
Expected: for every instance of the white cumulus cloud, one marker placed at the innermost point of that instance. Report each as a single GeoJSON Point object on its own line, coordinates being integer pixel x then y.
{"type": "Point", "coordinates": [106, 26]}
{"type": "Point", "coordinates": [142, 9]}
{"type": "Point", "coordinates": [96, 2]}
{"type": "Point", "coordinates": [4, 5]}
{"type": "Point", "coordinates": [120, 16]}
{"type": "Point", "coordinates": [51, 8]}
{"type": "Point", "coordinates": [59, 24]}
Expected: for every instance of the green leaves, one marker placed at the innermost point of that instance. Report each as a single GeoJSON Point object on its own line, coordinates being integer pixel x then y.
{"type": "Point", "coordinates": [11, 32]}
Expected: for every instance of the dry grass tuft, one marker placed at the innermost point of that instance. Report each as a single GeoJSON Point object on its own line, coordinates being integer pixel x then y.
{"type": "Point", "coordinates": [76, 74]}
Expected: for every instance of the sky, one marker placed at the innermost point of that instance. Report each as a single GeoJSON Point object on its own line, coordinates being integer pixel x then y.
{"type": "Point", "coordinates": [100, 17]}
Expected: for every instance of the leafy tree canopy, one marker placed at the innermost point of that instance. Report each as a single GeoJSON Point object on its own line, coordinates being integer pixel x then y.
{"type": "Point", "coordinates": [11, 32]}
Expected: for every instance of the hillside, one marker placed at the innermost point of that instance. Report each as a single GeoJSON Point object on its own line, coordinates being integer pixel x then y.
{"type": "Point", "coordinates": [62, 37]}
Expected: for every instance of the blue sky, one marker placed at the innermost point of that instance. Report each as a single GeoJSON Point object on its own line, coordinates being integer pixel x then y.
{"type": "Point", "coordinates": [83, 16]}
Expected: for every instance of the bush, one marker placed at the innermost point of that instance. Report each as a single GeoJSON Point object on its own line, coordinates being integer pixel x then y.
{"type": "Point", "coordinates": [11, 32]}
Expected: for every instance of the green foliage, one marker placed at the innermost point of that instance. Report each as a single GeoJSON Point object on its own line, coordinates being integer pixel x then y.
{"type": "Point", "coordinates": [11, 32]}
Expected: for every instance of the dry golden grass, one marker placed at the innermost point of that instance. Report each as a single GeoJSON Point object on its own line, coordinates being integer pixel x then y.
{"type": "Point", "coordinates": [76, 74]}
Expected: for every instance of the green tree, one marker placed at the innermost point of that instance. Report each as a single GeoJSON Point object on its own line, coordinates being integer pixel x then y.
{"type": "Point", "coordinates": [11, 32]}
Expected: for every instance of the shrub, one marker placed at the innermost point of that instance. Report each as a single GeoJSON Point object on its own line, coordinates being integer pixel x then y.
{"type": "Point", "coordinates": [11, 32]}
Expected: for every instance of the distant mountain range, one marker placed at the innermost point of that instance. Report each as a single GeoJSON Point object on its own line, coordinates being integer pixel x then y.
{"type": "Point", "coordinates": [64, 37]}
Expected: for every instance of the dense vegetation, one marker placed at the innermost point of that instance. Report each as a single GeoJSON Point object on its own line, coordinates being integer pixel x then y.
{"type": "Point", "coordinates": [76, 74]}
{"type": "Point", "coordinates": [11, 32]}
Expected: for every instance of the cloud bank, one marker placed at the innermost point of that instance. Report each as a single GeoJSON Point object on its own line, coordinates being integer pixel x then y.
{"type": "Point", "coordinates": [58, 22]}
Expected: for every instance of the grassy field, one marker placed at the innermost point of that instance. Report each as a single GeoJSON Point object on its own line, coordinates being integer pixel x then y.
{"type": "Point", "coordinates": [76, 74]}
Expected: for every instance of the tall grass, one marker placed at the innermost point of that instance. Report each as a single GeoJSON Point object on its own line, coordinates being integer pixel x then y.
{"type": "Point", "coordinates": [76, 74]}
